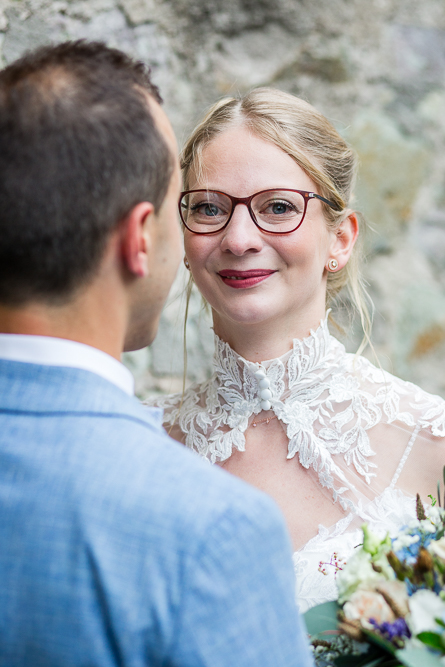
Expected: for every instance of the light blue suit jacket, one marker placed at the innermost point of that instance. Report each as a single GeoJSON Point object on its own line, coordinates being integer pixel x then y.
{"type": "Point", "coordinates": [121, 548]}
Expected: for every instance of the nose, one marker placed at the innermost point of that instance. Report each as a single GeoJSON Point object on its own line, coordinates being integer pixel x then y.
{"type": "Point", "coordinates": [241, 234]}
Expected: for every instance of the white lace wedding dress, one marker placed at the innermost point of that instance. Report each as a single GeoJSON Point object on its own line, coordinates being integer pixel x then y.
{"type": "Point", "coordinates": [364, 433]}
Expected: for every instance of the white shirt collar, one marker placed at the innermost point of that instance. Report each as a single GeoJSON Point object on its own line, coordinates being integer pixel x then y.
{"type": "Point", "coordinates": [61, 352]}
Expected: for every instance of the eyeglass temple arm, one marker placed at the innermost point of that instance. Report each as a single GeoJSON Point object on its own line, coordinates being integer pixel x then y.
{"type": "Point", "coordinates": [332, 204]}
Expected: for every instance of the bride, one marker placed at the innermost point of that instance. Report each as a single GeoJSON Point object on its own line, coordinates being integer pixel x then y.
{"type": "Point", "coordinates": [270, 240]}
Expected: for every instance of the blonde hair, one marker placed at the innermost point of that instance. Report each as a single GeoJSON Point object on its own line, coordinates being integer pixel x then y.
{"type": "Point", "coordinates": [308, 137]}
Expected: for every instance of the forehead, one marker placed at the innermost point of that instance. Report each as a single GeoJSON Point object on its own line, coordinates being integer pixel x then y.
{"type": "Point", "coordinates": [240, 162]}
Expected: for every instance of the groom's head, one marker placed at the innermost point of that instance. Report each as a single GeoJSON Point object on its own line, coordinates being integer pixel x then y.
{"type": "Point", "coordinates": [84, 148]}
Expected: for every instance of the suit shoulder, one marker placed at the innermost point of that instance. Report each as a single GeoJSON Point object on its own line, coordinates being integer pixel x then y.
{"type": "Point", "coordinates": [166, 481]}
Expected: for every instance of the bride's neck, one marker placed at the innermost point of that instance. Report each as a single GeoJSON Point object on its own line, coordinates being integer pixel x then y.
{"type": "Point", "coordinates": [266, 340]}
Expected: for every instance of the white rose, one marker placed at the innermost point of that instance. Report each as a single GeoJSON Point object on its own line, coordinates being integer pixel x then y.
{"type": "Point", "coordinates": [427, 526]}
{"type": "Point", "coordinates": [434, 513]}
{"type": "Point", "coordinates": [359, 573]}
{"type": "Point", "coordinates": [424, 607]}
{"type": "Point", "coordinates": [364, 605]}
{"type": "Point", "coordinates": [437, 548]}
{"type": "Point", "coordinates": [398, 593]}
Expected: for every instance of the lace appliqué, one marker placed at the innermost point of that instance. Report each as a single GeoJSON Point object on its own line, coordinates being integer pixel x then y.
{"type": "Point", "coordinates": [326, 399]}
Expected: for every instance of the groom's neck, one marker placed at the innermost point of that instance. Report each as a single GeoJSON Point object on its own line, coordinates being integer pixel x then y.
{"type": "Point", "coordinates": [96, 317]}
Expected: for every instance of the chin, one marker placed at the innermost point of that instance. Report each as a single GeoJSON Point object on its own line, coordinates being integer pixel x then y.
{"type": "Point", "coordinates": [253, 314]}
{"type": "Point", "coordinates": [141, 337]}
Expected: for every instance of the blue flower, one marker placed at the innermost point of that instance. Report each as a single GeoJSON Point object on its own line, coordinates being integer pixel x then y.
{"type": "Point", "coordinates": [395, 630]}
{"type": "Point", "coordinates": [407, 544]}
{"type": "Point", "coordinates": [413, 588]}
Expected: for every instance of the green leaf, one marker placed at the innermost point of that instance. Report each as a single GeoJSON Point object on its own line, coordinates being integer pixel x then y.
{"type": "Point", "coordinates": [322, 618]}
{"type": "Point", "coordinates": [356, 661]}
{"type": "Point", "coordinates": [379, 641]}
{"type": "Point", "coordinates": [433, 500]}
{"type": "Point", "coordinates": [367, 659]}
{"type": "Point", "coordinates": [431, 639]}
{"type": "Point", "coordinates": [418, 657]}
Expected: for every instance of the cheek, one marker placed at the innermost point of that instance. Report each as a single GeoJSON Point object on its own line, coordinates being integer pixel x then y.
{"type": "Point", "coordinates": [294, 253]}
{"type": "Point", "coordinates": [198, 249]}
{"type": "Point", "coordinates": [305, 248]}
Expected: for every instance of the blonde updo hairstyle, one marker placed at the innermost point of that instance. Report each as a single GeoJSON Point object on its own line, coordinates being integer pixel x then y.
{"type": "Point", "coordinates": [308, 137]}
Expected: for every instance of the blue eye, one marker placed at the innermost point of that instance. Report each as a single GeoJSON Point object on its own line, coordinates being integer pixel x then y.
{"type": "Point", "coordinates": [279, 207]}
{"type": "Point", "coordinates": [207, 209]}
{"type": "Point", "coordinates": [210, 209]}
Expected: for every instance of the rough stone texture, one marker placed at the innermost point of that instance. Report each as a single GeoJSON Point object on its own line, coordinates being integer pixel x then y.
{"type": "Point", "coordinates": [376, 69]}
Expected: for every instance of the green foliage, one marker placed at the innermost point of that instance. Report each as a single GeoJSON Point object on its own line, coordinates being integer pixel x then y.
{"type": "Point", "coordinates": [417, 657]}
{"type": "Point", "coordinates": [379, 641]}
{"type": "Point", "coordinates": [322, 618]}
{"type": "Point", "coordinates": [372, 658]}
{"type": "Point", "coordinates": [433, 640]}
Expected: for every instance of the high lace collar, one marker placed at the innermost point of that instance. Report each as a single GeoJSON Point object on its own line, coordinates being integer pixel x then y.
{"type": "Point", "coordinates": [302, 369]}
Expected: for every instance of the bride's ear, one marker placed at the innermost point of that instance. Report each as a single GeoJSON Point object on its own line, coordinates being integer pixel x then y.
{"type": "Point", "coordinates": [136, 240]}
{"type": "Point", "coordinates": [343, 240]}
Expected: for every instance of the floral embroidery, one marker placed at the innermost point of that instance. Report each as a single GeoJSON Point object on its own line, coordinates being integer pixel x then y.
{"type": "Point", "coordinates": [326, 399]}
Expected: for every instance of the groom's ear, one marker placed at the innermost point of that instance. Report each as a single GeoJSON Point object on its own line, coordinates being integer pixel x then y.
{"type": "Point", "coordinates": [135, 239]}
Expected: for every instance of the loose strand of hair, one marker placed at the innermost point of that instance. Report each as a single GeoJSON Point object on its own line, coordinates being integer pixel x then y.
{"type": "Point", "coordinates": [188, 294]}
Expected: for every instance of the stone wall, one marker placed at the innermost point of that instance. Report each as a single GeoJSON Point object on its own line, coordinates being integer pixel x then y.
{"type": "Point", "coordinates": [375, 68]}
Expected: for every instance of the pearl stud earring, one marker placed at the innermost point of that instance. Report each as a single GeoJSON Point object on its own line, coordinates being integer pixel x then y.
{"type": "Point", "coordinates": [332, 264]}
{"type": "Point", "coordinates": [186, 264]}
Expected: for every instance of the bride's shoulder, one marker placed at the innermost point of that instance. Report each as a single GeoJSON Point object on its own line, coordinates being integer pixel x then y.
{"type": "Point", "coordinates": [369, 374]}
{"type": "Point", "coordinates": [172, 403]}
{"type": "Point", "coordinates": [162, 400]}
{"type": "Point", "coordinates": [406, 400]}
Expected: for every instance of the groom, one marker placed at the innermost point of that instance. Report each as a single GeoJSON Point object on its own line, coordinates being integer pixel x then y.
{"type": "Point", "coordinates": [118, 546]}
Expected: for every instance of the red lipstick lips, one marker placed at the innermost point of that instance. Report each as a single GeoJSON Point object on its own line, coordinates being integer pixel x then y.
{"type": "Point", "coordinates": [244, 279]}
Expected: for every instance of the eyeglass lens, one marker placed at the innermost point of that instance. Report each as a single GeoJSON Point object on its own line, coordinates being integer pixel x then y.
{"type": "Point", "coordinates": [276, 211]}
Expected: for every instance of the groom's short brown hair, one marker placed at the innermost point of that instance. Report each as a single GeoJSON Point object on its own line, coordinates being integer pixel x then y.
{"type": "Point", "coordinates": [78, 149]}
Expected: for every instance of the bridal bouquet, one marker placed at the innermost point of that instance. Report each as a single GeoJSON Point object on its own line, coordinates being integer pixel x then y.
{"type": "Point", "coordinates": [391, 601]}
